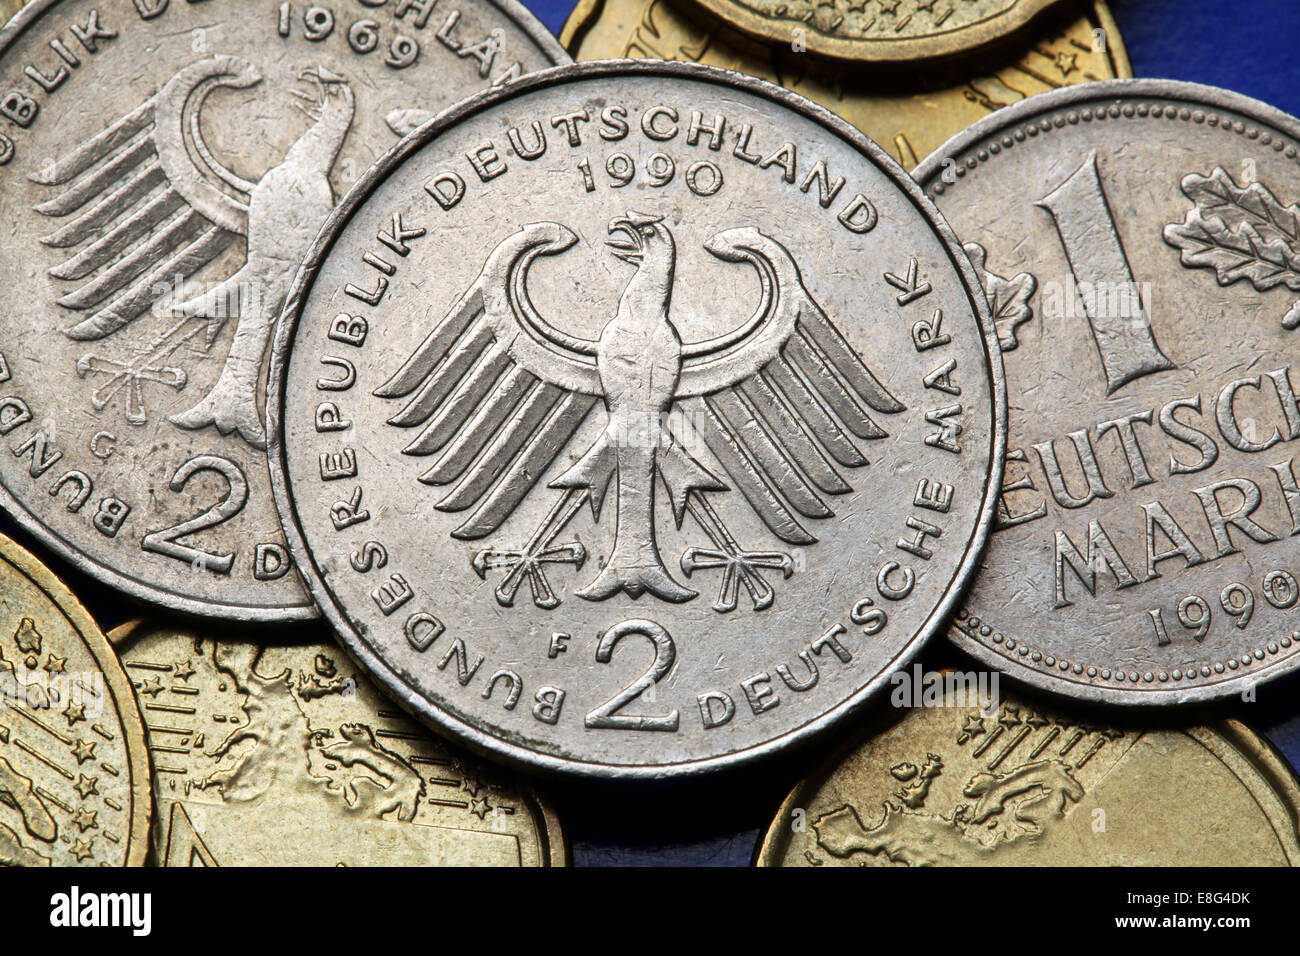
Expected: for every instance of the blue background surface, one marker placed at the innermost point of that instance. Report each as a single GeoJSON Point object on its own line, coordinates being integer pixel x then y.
{"type": "Point", "coordinates": [1249, 46]}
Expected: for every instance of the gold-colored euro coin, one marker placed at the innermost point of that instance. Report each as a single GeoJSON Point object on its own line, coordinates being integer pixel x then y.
{"type": "Point", "coordinates": [287, 755]}
{"type": "Point", "coordinates": [954, 785]}
{"type": "Point", "coordinates": [74, 772]}
{"type": "Point", "coordinates": [910, 117]}
{"type": "Point", "coordinates": [881, 31]}
{"type": "Point", "coordinates": [8, 8]}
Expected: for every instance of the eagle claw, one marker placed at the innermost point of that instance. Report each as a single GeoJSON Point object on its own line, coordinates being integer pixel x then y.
{"type": "Point", "coordinates": [527, 566]}
{"type": "Point", "coordinates": [739, 567]}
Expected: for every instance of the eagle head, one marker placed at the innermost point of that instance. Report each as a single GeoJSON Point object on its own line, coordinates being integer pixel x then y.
{"type": "Point", "coordinates": [323, 89]}
{"type": "Point", "coordinates": [636, 235]}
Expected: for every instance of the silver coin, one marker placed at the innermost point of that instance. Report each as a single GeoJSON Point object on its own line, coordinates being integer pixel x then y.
{"type": "Point", "coordinates": [1140, 242]}
{"type": "Point", "coordinates": [636, 420]}
{"type": "Point", "coordinates": [163, 167]}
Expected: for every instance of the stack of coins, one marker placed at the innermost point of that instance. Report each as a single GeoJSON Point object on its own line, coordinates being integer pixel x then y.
{"type": "Point", "coordinates": [431, 414]}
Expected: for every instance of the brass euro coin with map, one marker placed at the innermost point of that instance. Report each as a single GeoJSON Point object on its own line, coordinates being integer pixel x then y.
{"type": "Point", "coordinates": [74, 771]}
{"type": "Point", "coordinates": [1140, 244]}
{"type": "Point", "coordinates": [891, 32]}
{"type": "Point", "coordinates": [285, 754]}
{"type": "Point", "coordinates": [909, 116]}
{"type": "Point", "coordinates": [631, 421]}
{"type": "Point", "coordinates": [163, 167]}
{"type": "Point", "coordinates": [971, 781]}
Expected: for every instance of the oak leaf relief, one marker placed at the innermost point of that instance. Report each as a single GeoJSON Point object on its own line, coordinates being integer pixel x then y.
{"type": "Point", "coordinates": [1008, 298]}
{"type": "Point", "coordinates": [1240, 232]}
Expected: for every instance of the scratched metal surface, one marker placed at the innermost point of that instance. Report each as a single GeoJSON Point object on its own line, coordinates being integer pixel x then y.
{"type": "Point", "coordinates": [678, 257]}
{"type": "Point", "coordinates": [719, 825]}
{"type": "Point", "coordinates": [303, 110]}
{"type": "Point", "coordinates": [1250, 50]}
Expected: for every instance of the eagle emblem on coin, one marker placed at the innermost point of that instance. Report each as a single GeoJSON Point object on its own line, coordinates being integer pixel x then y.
{"type": "Point", "coordinates": [496, 387]}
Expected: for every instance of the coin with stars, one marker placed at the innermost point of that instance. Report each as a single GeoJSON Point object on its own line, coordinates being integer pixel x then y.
{"type": "Point", "coordinates": [910, 117]}
{"type": "Point", "coordinates": [287, 755]}
{"type": "Point", "coordinates": [74, 772]}
{"type": "Point", "coordinates": [898, 33]}
{"type": "Point", "coordinates": [966, 775]}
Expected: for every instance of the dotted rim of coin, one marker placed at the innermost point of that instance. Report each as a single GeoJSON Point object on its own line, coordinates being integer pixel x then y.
{"type": "Point", "coordinates": [976, 628]}
{"type": "Point", "coordinates": [1127, 111]}
{"type": "Point", "coordinates": [1020, 650]}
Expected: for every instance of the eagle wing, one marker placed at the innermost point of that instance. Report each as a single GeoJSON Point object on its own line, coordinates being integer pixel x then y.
{"type": "Point", "coordinates": [782, 401]}
{"type": "Point", "coordinates": [495, 391]}
{"type": "Point", "coordinates": [145, 202]}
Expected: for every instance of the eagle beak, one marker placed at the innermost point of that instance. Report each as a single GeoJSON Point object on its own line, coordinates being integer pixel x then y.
{"type": "Point", "coordinates": [322, 82]}
{"type": "Point", "coordinates": [328, 76]}
{"type": "Point", "coordinates": [309, 102]}
{"type": "Point", "coordinates": [624, 240]}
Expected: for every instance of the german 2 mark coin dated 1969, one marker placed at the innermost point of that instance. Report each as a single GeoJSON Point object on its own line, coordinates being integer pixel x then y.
{"type": "Point", "coordinates": [163, 167]}
{"type": "Point", "coordinates": [637, 421]}
{"type": "Point", "coordinates": [1140, 242]}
